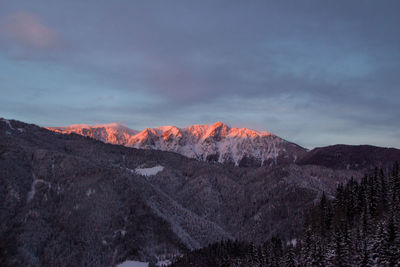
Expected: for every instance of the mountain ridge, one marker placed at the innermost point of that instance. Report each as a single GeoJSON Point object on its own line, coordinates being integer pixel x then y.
{"type": "Point", "coordinates": [341, 156]}
{"type": "Point", "coordinates": [215, 142]}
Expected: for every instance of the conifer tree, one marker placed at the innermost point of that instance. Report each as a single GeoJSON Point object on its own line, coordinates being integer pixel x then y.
{"type": "Point", "coordinates": [290, 258]}
{"type": "Point", "coordinates": [277, 251]}
{"type": "Point", "coordinates": [392, 246]}
{"type": "Point", "coordinates": [383, 198]}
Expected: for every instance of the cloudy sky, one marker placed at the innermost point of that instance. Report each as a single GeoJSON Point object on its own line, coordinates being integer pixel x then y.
{"type": "Point", "coordinates": [313, 72]}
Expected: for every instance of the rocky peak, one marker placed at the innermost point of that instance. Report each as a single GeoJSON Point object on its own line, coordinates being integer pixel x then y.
{"type": "Point", "coordinates": [170, 133]}
{"type": "Point", "coordinates": [217, 131]}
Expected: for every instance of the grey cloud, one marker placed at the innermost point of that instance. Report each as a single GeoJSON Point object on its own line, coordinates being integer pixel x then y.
{"type": "Point", "coordinates": [24, 36]}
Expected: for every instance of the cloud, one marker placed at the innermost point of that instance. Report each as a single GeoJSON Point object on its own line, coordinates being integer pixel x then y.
{"type": "Point", "coordinates": [301, 70]}
{"type": "Point", "coordinates": [22, 34]}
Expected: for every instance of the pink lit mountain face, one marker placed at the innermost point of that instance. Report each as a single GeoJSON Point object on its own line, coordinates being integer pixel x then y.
{"type": "Point", "coordinates": [216, 142]}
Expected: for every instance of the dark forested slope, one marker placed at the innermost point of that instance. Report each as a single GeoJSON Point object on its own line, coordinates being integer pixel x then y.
{"type": "Point", "coordinates": [360, 226]}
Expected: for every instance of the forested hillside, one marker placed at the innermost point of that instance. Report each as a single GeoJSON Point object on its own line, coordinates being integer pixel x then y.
{"type": "Point", "coordinates": [360, 226]}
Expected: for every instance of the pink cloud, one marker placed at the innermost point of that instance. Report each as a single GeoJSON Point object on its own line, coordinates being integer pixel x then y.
{"type": "Point", "coordinates": [22, 33]}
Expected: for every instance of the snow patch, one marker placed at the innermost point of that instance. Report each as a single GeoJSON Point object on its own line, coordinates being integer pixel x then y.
{"type": "Point", "coordinates": [90, 192]}
{"type": "Point", "coordinates": [133, 264]}
{"type": "Point", "coordinates": [149, 171]}
{"type": "Point", "coordinates": [163, 263]}
{"type": "Point", "coordinates": [32, 192]}
{"type": "Point", "coordinates": [121, 231]}
{"type": "Point", "coordinates": [292, 242]}
{"type": "Point", "coordinates": [8, 123]}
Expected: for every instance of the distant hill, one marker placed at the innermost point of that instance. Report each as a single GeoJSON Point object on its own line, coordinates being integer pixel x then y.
{"type": "Point", "coordinates": [351, 157]}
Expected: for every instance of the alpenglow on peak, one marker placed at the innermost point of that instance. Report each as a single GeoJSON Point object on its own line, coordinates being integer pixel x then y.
{"type": "Point", "coordinates": [216, 142]}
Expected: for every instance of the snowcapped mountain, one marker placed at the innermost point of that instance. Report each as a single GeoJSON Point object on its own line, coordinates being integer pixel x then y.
{"type": "Point", "coordinates": [216, 142]}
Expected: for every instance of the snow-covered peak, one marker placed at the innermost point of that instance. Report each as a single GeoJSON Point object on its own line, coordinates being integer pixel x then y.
{"type": "Point", "coordinates": [198, 130]}
{"type": "Point", "coordinates": [216, 142]}
{"type": "Point", "coordinates": [114, 125]}
{"type": "Point", "coordinates": [247, 133]}
{"type": "Point", "coordinates": [148, 132]}
{"type": "Point", "coordinates": [110, 126]}
{"type": "Point", "coordinates": [223, 130]}
{"type": "Point", "coordinates": [218, 131]}
{"type": "Point", "coordinates": [114, 133]}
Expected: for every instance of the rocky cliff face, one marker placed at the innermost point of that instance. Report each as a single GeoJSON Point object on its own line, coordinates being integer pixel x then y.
{"type": "Point", "coordinates": [217, 142]}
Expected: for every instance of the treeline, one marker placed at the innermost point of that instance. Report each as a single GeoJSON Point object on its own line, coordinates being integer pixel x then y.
{"type": "Point", "coordinates": [359, 226]}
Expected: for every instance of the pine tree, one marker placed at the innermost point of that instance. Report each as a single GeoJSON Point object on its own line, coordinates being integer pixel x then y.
{"type": "Point", "coordinates": [290, 258]}
{"type": "Point", "coordinates": [252, 255]}
{"type": "Point", "coordinates": [383, 198]}
{"type": "Point", "coordinates": [306, 246]}
{"type": "Point", "coordinates": [325, 216]}
{"type": "Point", "coordinates": [362, 195]}
{"type": "Point", "coordinates": [379, 245]}
{"type": "Point", "coordinates": [337, 257]}
{"type": "Point", "coordinates": [277, 251]}
{"type": "Point", "coordinates": [3, 257]}
{"type": "Point", "coordinates": [365, 260]}
{"type": "Point", "coordinates": [392, 247]}
{"type": "Point", "coordinates": [319, 253]}
{"type": "Point", "coordinates": [395, 187]}
{"type": "Point", "coordinates": [267, 260]}
{"type": "Point", "coordinates": [373, 194]}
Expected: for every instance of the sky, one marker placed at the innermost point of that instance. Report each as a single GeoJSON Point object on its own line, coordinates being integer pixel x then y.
{"type": "Point", "coordinates": [315, 73]}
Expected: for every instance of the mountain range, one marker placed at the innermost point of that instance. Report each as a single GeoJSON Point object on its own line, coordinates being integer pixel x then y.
{"type": "Point", "coordinates": [234, 146]}
{"type": "Point", "coordinates": [68, 199]}
{"type": "Point", "coordinates": [217, 142]}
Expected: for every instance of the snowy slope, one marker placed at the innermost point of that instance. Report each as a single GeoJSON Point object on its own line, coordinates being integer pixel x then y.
{"type": "Point", "coordinates": [216, 142]}
{"type": "Point", "coordinates": [113, 133]}
{"type": "Point", "coordinates": [149, 171]}
{"type": "Point", "coordinates": [133, 264]}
